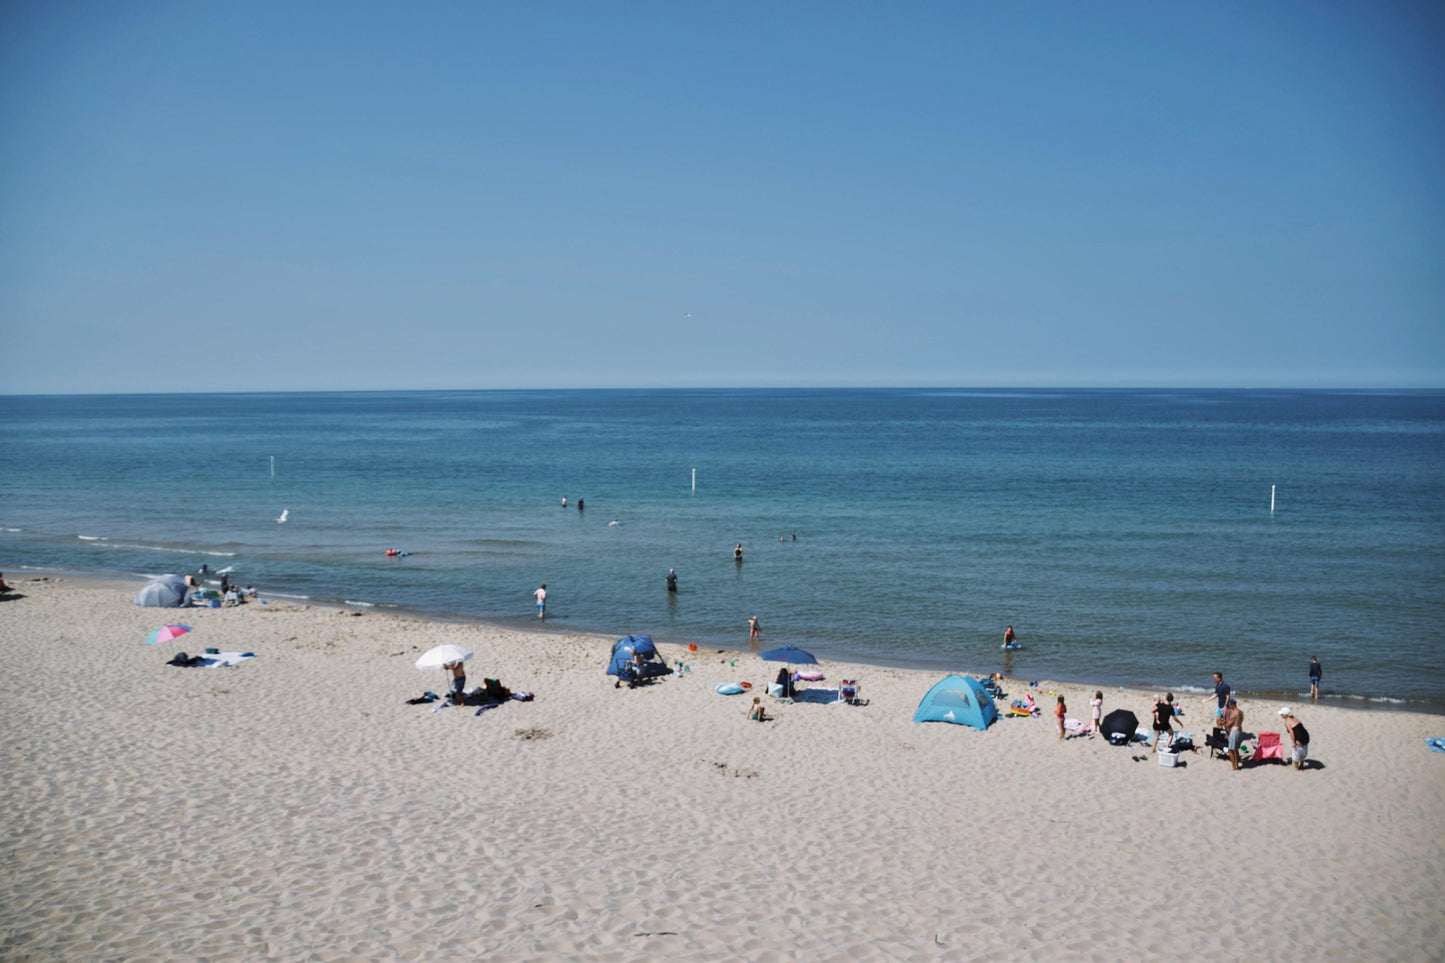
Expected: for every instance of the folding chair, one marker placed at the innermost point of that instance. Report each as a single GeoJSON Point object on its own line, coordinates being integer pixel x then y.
{"type": "Point", "coordinates": [1267, 746]}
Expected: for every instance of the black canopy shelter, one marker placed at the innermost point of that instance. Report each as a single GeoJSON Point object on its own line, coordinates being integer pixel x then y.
{"type": "Point", "coordinates": [1119, 727]}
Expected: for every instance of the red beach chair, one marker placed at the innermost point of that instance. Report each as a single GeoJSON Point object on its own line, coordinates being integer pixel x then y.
{"type": "Point", "coordinates": [1267, 746]}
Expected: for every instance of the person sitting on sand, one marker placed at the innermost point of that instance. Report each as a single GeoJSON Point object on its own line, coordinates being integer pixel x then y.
{"type": "Point", "coordinates": [3, 586]}
{"type": "Point", "coordinates": [757, 712]}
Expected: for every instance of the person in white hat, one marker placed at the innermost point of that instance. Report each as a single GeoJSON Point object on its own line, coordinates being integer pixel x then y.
{"type": "Point", "coordinates": [1299, 737]}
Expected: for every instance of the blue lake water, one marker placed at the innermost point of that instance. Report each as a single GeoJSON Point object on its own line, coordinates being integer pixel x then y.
{"type": "Point", "coordinates": [1126, 535]}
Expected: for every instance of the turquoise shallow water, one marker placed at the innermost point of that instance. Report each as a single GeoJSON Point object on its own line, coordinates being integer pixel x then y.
{"type": "Point", "coordinates": [1127, 535]}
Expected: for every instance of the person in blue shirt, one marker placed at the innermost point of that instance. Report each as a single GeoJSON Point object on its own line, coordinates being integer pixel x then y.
{"type": "Point", "coordinates": [1221, 695]}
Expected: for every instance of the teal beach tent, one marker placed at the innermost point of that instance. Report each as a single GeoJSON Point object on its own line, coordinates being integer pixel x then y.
{"type": "Point", "coordinates": [960, 700]}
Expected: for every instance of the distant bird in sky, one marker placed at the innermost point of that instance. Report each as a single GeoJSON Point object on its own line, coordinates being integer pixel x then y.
{"type": "Point", "coordinates": [284, 513]}
{"type": "Point", "coordinates": [688, 315]}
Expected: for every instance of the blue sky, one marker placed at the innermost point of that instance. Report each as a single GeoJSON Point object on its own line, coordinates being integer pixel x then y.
{"type": "Point", "coordinates": [268, 196]}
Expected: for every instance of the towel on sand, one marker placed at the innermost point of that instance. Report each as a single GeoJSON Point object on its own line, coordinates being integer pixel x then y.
{"type": "Point", "coordinates": [211, 660]}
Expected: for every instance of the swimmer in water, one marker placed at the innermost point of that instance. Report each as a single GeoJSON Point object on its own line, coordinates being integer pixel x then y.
{"type": "Point", "coordinates": [738, 553]}
{"type": "Point", "coordinates": [672, 580]}
{"type": "Point", "coordinates": [1008, 635]}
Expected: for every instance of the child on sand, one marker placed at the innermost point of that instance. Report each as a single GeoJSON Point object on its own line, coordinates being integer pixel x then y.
{"type": "Point", "coordinates": [757, 711]}
{"type": "Point", "coordinates": [1096, 709]}
{"type": "Point", "coordinates": [1059, 712]}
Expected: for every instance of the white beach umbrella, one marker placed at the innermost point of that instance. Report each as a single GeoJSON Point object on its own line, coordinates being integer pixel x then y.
{"type": "Point", "coordinates": [443, 655]}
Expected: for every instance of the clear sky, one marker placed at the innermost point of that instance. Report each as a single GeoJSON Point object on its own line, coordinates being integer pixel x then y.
{"type": "Point", "coordinates": [263, 196]}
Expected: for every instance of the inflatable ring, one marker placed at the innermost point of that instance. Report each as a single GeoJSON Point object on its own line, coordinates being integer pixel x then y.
{"type": "Point", "coordinates": [811, 676]}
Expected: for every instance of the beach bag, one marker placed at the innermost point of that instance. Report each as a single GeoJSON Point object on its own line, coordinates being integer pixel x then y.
{"type": "Point", "coordinates": [1119, 738]}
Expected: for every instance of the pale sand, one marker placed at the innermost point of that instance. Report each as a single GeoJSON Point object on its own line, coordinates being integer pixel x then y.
{"type": "Point", "coordinates": [294, 807]}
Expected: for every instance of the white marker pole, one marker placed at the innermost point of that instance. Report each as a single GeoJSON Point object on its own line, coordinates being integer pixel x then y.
{"type": "Point", "coordinates": [1271, 499]}
{"type": "Point", "coordinates": [694, 481]}
{"type": "Point", "coordinates": [273, 466]}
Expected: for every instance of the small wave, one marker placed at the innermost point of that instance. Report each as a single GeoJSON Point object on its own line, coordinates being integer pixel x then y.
{"type": "Point", "coordinates": [365, 605]}
{"type": "Point", "coordinates": [14, 529]}
{"type": "Point", "coordinates": [228, 568]}
{"type": "Point", "coordinates": [169, 549]}
{"type": "Point", "coordinates": [92, 538]}
{"type": "Point", "coordinates": [284, 595]}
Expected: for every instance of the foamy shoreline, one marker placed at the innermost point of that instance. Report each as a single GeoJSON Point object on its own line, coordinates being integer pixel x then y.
{"type": "Point", "coordinates": [295, 806]}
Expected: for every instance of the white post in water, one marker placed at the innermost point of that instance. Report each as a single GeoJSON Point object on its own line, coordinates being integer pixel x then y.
{"type": "Point", "coordinates": [694, 481]}
{"type": "Point", "coordinates": [1271, 499]}
{"type": "Point", "coordinates": [273, 466]}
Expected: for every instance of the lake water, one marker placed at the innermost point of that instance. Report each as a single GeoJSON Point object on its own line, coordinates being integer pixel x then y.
{"type": "Point", "coordinates": [1125, 534]}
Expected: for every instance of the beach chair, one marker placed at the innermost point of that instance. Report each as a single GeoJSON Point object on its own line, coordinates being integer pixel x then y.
{"type": "Point", "coordinates": [848, 691]}
{"type": "Point", "coordinates": [1218, 741]}
{"type": "Point", "coordinates": [1267, 746]}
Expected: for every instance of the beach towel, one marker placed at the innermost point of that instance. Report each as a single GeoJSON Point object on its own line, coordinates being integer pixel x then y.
{"type": "Point", "coordinates": [221, 659]}
{"type": "Point", "coordinates": [1436, 745]}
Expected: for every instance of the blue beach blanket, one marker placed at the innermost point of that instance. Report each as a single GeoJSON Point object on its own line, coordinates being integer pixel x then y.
{"type": "Point", "coordinates": [1436, 745]}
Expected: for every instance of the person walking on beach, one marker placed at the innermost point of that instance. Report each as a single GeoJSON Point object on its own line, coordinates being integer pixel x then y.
{"type": "Point", "coordinates": [1299, 737]}
{"type": "Point", "coordinates": [672, 580]}
{"type": "Point", "coordinates": [1316, 673]}
{"type": "Point", "coordinates": [738, 553]}
{"type": "Point", "coordinates": [1059, 714]}
{"type": "Point", "coordinates": [541, 596]}
{"type": "Point", "coordinates": [1096, 710]}
{"type": "Point", "coordinates": [1163, 720]}
{"type": "Point", "coordinates": [1234, 722]}
{"type": "Point", "coordinates": [753, 627]}
{"type": "Point", "coordinates": [1221, 695]}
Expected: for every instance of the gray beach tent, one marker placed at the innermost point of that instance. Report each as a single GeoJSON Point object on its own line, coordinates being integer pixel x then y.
{"type": "Point", "coordinates": [163, 592]}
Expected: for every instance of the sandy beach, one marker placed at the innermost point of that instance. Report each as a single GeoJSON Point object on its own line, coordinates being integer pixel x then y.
{"type": "Point", "coordinates": [295, 807]}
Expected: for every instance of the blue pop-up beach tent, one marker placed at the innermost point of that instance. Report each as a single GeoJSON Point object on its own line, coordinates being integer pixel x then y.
{"type": "Point", "coordinates": [163, 591]}
{"type": "Point", "coordinates": [957, 699]}
{"type": "Point", "coordinates": [626, 669]}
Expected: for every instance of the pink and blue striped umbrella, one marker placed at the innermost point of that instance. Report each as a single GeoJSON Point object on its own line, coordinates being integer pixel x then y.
{"type": "Point", "coordinates": [166, 633]}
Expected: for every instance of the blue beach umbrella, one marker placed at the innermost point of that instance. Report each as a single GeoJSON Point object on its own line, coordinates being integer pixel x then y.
{"type": "Point", "coordinates": [790, 654]}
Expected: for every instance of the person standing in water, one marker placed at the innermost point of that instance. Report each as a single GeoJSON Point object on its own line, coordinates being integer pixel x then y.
{"type": "Point", "coordinates": [738, 553]}
{"type": "Point", "coordinates": [564, 501]}
{"type": "Point", "coordinates": [541, 596]}
{"type": "Point", "coordinates": [581, 504]}
{"type": "Point", "coordinates": [672, 580]}
{"type": "Point", "coordinates": [1008, 636]}
{"type": "Point", "coordinates": [1317, 672]}
{"type": "Point", "coordinates": [753, 627]}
